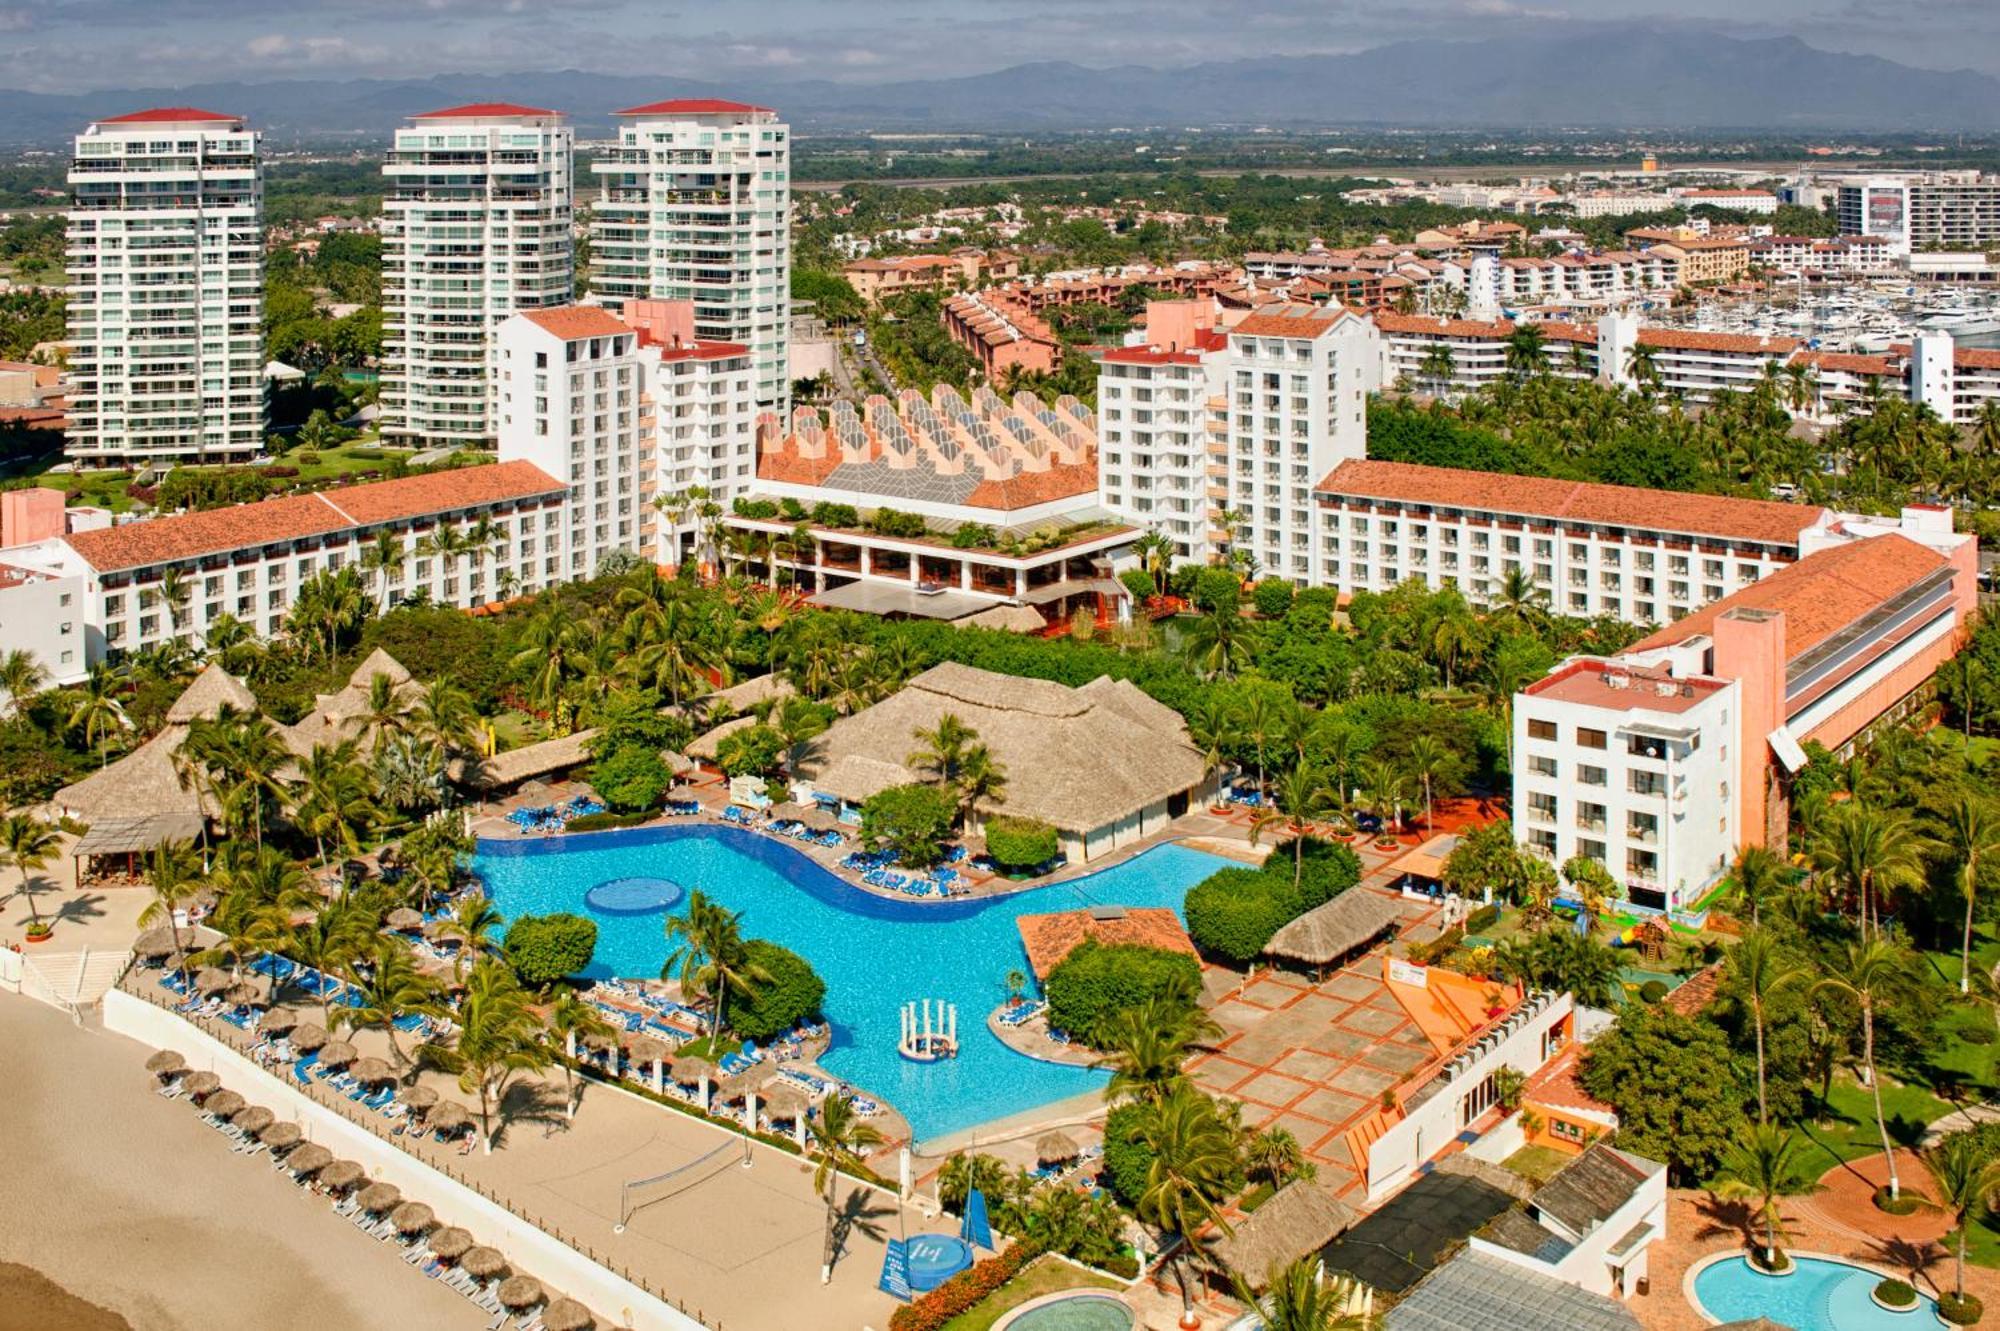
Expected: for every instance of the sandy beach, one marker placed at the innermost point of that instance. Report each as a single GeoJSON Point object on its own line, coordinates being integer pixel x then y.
{"type": "Point", "coordinates": [126, 1201]}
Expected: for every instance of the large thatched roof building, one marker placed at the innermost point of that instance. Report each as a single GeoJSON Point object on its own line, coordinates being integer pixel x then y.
{"type": "Point", "coordinates": [1104, 764]}
{"type": "Point", "coordinates": [344, 715]}
{"type": "Point", "coordinates": [148, 780]}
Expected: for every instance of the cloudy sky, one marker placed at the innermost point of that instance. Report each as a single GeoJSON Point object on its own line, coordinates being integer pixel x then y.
{"type": "Point", "coordinates": [76, 45]}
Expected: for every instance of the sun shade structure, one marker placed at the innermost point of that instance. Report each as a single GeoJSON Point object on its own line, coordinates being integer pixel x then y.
{"type": "Point", "coordinates": [309, 1037]}
{"type": "Point", "coordinates": [451, 1243]}
{"type": "Point", "coordinates": [447, 1116]}
{"type": "Point", "coordinates": [419, 1098]}
{"type": "Point", "coordinates": [165, 1063]}
{"type": "Point", "coordinates": [545, 758]}
{"type": "Point", "coordinates": [1473, 1292]}
{"type": "Point", "coordinates": [412, 1218]}
{"type": "Point", "coordinates": [369, 1071]}
{"type": "Point", "coordinates": [567, 1315]}
{"type": "Point", "coordinates": [1335, 929]}
{"type": "Point", "coordinates": [483, 1262]}
{"type": "Point", "coordinates": [135, 836]}
{"type": "Point", "coordinates": [342, 1174]}
{"type": "Point", "coordinates": [310, 1159]}
{"type": "Point", "coordinates": [380, 1197]}
{"type": "Point", "coordinates": [1398, 1245]}
{"type": "Point", "coordinates": [224, 1103]}
{"type": "Point", "coordinates": [254, 1119]}
{"type": "Point", "coordinates": [147, 781]}
{"type": "Point", "coordinates": [201, 1083]}
{"type": "Point", "coordinates": [281, 1135]}
{"type": "Point", "coordinates": [336, 1053]}
{"type": "Point", "coordinates": [521, 1292]}
{"type": "Point", "coordinates": [1297, 1220]}
{"type": "Point", "coordinates": [1054, 1147]}
{"type": "Point", "coordinates": [161, 942]}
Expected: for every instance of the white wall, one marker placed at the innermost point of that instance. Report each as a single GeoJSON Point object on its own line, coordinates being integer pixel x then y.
{"type": "Point", "coordinates": [1588, 1265]}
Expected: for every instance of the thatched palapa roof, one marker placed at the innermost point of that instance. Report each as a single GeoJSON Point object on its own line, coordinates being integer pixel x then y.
{"type": "Point", "coordinates": [1335, 928]}
{"type": "Point", "coordinates": [1077, 758]}
{"type": "Point", "coordinates": [343, 715]}
{"type": "Point", "coordinates": [147, 780]}
{"type": "Point", "coordinates": [543, 758]}
{"type": "Point", "coordinates": [1297, 1220]}
{"type": "Point", "coordinates": [705, 748]}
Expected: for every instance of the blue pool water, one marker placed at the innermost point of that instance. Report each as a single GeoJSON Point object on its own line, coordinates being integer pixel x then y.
{"type": "Point", "coordinates": [1820, 1296]}
{"type": "Point", "coordinates": [1081, 1312]}
{"type": "Point", "coordinates": [875, 953]}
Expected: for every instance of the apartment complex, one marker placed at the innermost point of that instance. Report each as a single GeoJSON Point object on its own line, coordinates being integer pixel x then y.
{"type": "Point", "coordinates": [475, 228]}
{"type": "Point", "coordinates": [1162, 441]}
{"type": "Point", "coordinates": [166, 272]}
{"type": "Point", "coordinates": [1662, 762]}
{"type": "Point", "coordinates": [698, 421]}
{"type": "Point", "coordinates": [696, 205]}
{"type": "Point", "coordinates": [962, 269]}
{"type": "Point", "coordinates": [1951, 210]}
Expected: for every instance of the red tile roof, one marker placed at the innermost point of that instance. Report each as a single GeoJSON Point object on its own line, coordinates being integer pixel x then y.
{"type": "Point", "coordinates": [1287, 325]}
{"type": "Point", "coordinates": [1821, 594]}
{"type": "Point", "coordinates": [1556, 1086]}
{"type": "Point", "coordinates": [570, 322]}
{"type": "Point", "coordinates": [692, 106]}
{"type": "Point", "coordinates": [1578, 501]}
{"type": "Point", "coordinates": [246, 526]}
{"type": "Point", "coordinates": [1847, 361]}
{"type": "Point", "coordinates": [1050, 938]}
{"type": "Point", "coordinates": [1687, 339]}
{"type": "Point", "coordinates": [166, 115]}
{"type": "Point", "coordinates": [481, 110]}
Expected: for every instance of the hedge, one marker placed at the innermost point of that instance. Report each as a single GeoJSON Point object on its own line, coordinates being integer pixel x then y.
{"type": "Point", "coordinates": [1093, 984]}
{"type": "Point", "coordinates": [600, 822]}
{"type": "Point", "coordinates": [1127, 1159]}
{"type": "Point", "coordinates": [965, 1290]}
{"type": "Point", "coordinates": [794, 992]}
{"type": "Point", "coordinates": [1020, 842]}
{"type": "Point", "coordinates": [545, 948]}
{"type": "Point", "coordinates": [1233, 912]}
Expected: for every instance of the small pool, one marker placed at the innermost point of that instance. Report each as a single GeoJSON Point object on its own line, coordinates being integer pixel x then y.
{"type": "Point", "coordinates": [875, 953]}
{"type": "Point", "coordinates": [1820, 1295]}
{"type": "Point", "coordinates": [1072, 1312]}
{"type": "Point", "coordinates": [634, 896]}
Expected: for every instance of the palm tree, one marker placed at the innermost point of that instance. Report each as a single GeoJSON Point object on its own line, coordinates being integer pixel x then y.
{"type": "Point", "coordinates": [497, 1038]}
{"type": "Point", "coordinates": [383, 557]}
{"type": "Point", "coordinates": [22, 677]}
{"type": "Point", "coordinates": [327, 941]}
{"type": "Point", "coordinates": [387, 711]}
{"type": "Point", "coordinates": [1761, 971]}
{"type": "Point", "coordinates": [840, 1137]}
{"type": "Point", "coordinates": [1765, 1164]}
{"type": "Point", "coordinates": [1437, 367]}
{"type": "Point", "coordinates": [1297, 798]}
{"type": "Point", "coordinates": [1275, 1156]}
{"type": "Point", "coordinates": [708, 956]}
{"type": "Point", "coordinates": [1758, 874]}
{"type": "Point", "coordinates": [1297, 1299]}
{"type": "Point", "coordinates": [333, 798]}
{"type": "Point", "coordinates": [1382, 790]}
{"type": "Point", "coordinates": [570, 1020]}
{"type": "Point", "coordinates": [1219, 644]}
{"type": "Point", "coordinates": [1147, 1045]}
{"type": "Point", "coordinates": [547, 639]}
{"type": "Point", "coordinates": [250, 926]}
{"type": "Point", "coordinates": [1873, 852]}
{"type": "Point", "coordinates": [1971, 833]}
{"type": "Point", "coordinates": [1874, 971]}
{"type": "Point", "coordinates": [1642, 366]}
{"type": "Point", "coordinates": [943, 752]}
{"type": "Point", "coordinates": [1194, 1150]}
{"type": "Point", "coordinates": [171, 871]}
{"type": "Point", "coordinates": [1527, 355]}
{"type": "Point", "coordinates": [798, 722]}
{"type": "Point", "coordinates": [982, 779]}
{"type": "Point", "coordinates": [97, 711]}
{"type": "Point", "coordinates": [473, 924]}
{"type": "Point", "coordinates": [1518, 603]}
{"type": "Point", "coordinates": [1964, 1176]}
{"type": "Point", "coordinates": [391, 990]}
{"type": "Point", "coordinates": [1424, 759]}
{"type": "Point", "coordinates": [444, 714]}
{"type": "Point", "coordinates": [27, 844]}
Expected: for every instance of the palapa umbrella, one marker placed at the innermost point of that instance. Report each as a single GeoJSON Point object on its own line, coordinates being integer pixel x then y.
{"type": "Point", "coordinates": [341, 1174]}
{"type": "Point", "coordinates": [309, 1037]}
{"type": "Point", "coordinates": [165, 1063]}
{"type": "Point", "coordinates": [485, 1263]}
{"type": "Point", "coordinates": [310, 1158]}
{"type": "Point", "coordinates": [281, 1135]}
{"type": "Point", "coordinates": [337, 1053]}
{"type": "Point", "coordinates": [156, 943]}
{"type": "Point", "coordinates": [451, 1243]}
{"type": "Point", "coordinates": [278, 1021]}
{"type": "Point", "coordinates": [213, 980]}
{"type": "Point", "coordinates": [781, 1099]}
{"type": "Point", "coordinates": [420, 1098]}
{"type": "Point", "coordinates": [567, 1315]}
{"type": "Point", "coordinates": [648, 1050]}
{"type": "Point", "coordinates": [447, 1116]}
{"type": "Point", "coordinates": [244, 994]}
{"type": "Point", "coordinates": [380, 1197]}
{"type": "Point", "coordinates": [253, 1119]}
{"type": "Point", "coordinates": [403, 920]}
{"type": "Point", "coordinates": [412, 1218]}
{"type": "Point", "coordinates": [600, 1040]}
{"type": "Point", "coordinates": [199, 1084]}
{"type": "Point", "coordinates": [224, 1103]}
{"type": "Point", "coordinates": [521, 1292]}
{"type": "Point", "coordinates": [1055, 1147]}
{"type": "Point", "coordinates": [692, 1069]}
{"type": "Point", "coordinates": [369, 1071]}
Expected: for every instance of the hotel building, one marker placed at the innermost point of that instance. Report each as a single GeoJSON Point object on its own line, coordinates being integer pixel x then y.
{"type": "Point", "coordinates": [475, 228]}
{"type": "Point", "coordinates": [1162, 459]}
{"type": "Point", "coordinates": [1952, 210]}
{"type": "Point", "coordinates": [696, 206]}
{"type": "Point", "coordinates": [166, 271]}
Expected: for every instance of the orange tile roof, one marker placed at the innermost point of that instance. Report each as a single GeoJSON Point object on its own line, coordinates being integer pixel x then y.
{"type": "Point", "coordinates": [1696, 992]}
{"type": "Point", "coordinates": [1060, 480]}
{"type": "Point", "coordinates": [1555, 1086]}
{"type": "Point", "coordinates": [166, 115]}
{"type": "Point", "coordinates": [1050, 938]}
{"type": "Point", "coordinates": [1287, 325]}
{"type": "Point", "coordinates": [570, 322]}
{"type": "Point", "coordinates": [1578, 501]}
{"type": "Point", "coordinates": [1847, 361]}
{"type": "Point", "coordinates": [1687, 339]}
{"type": "Point", "coordinates": [485, 110]}
{"type": "Point", "coordinates": [442, 492]}
{"type": "Point", "coordinates": [1821, 594]}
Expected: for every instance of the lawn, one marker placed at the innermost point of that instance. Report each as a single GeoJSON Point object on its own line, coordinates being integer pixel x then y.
{"type": "Point", "coordinates": [1848, 1131]}
{"type": "Point", "coordinates": [106, 489]}
{"type": "Point", "coordinates": [1046, 1276]}
{"type": "Point", "coordinates": [1537, 1164]}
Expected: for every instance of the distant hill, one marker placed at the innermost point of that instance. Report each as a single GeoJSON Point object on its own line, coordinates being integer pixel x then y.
{"type": "Point", "coordinates": [1586, 77]}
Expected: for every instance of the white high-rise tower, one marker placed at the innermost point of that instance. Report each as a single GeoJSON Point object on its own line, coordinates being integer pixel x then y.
{"type": "Point", "coordinates": [166, 269]}
{"type": "Point", "coordinates": [696, 206]}
{"type": "Point", "coordinates": [475, 228]}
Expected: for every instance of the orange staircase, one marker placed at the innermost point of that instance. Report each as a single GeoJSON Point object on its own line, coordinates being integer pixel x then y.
{"type": "Point", "coordinates": [1365, 1134]}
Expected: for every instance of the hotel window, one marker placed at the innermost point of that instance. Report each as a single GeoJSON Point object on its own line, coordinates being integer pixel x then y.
{"type": "Point", "coordinates": [1540, 765]}
{"type": "Point", "coordinates": [1541, 729]}
{"type": "Point", "coordinates": [1592, 776]}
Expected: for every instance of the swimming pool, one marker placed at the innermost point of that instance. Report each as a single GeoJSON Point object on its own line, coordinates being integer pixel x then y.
{"type": "Point", "coordinates": [1821, 1295]}
{"type": "Point", "coordinates": [1072, 1312]}
{"type": "Point", "coordinates": [875, 953]}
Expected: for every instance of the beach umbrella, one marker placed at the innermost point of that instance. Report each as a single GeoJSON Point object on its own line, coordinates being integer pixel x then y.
{"type": "Point", "coordinates": [281, 1135]}
{"type": "Point", "coordinates": [253, 1119]}
{"type": "Point", "coordinates": [1054, 1147]}
{"type": "Point", "coordinates": [404, 920]}
{"type": "Point", "coordinates": [369, 1071]}
{"type": "Point", "coordinates": [567, 1315]}
{"type": "Point", "coordinates": [341, 1174]}
{"type": "Point", "coordinates": [199, 1084]}
{"type": "Point", "coordinates": [310, 1158]}
{"type": "Point", "coordinates": [521, 1292]}
{"type": "Point", "coordinates": [278, 1021]}
{"type": "Point", "coordinates": [309, 1037]}
{"type": "Point", "coordinates": [412, 1218]}
{"type": "Point", "coordinates": [485, 1263]}
{"type": "Point", "coordinates": [156, 943]}
{"type": "Point", "coordinates": [337, 1053]}
{"type": "Point", "coordinates": [244, 994]}
{"type": "Point", "coordinates": [691, 1069]}
{"type": "Point", "coordinates": [380, 1197]}
{"type": "Point", "coordinates": [419, 1098]}
{"type": "Point", "coordinates": [213, 980]}
{"type": "Point", "coordinates": [647, 1049]}
{"type": "Point", "coordinates": [447, 1116]}
{"type": "Point", "coordinates": [451, 1242]}
{"type": "Point", "coordinates": [166, 1063]}
{"type": "Point", "coordinates": [439, 931]}
{"type": "Point", "coordinates": [224, 1103]}
{"type": "Point", "coordinates": [600, 1040]}
{"type": "Point", "coordinates": [781, 1099]}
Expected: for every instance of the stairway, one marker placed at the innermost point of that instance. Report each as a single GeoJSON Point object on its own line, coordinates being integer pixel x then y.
{"type": "Point", "coordinates": [1364, 1134]}
{"type": "Point", "coordinates": [71, 981]}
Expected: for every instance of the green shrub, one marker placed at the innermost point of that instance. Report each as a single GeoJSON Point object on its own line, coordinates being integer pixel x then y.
{"type": "Point", "coordinates": [1020, 843]}
{"type": "Point", "coordinates": [545, 948]}
{"type": "Point", "coordinates": [367, 454]}
{"type": "Point", "coordinates": [1960, 1311]}
{"type": "Point", "coordinates": [1895, 1293]}
{"type": "Point", "coordinates": [1093, 984]}
{"type": "Point", "coordinates": [1976, 1035]}
{"type": "Point", "coordinates": [753, 508]}
{"type": "Point", "coordinates": [895, 522]}
{"type": "Point", "coordinates": [1138, 585]}
{"type": "Point", "coordinates": [793, 993]}
{"type": "Point", "coordinates": [1482, 919]}
{"type": "Point", "coordinates": [1331, 867]}
{"type": "Point", "coordinates": [964, 1291]}
{"type": "Point", "coordinates": [604, 822]}
{"type": "Point", "coordinates": [913, 819]}
{"type": "Point", "coordinates": [630, 778]}
{"type": "Point", "coordinates": [1652, 991]}
{"type": "Point", "coordinates": [1127, 1159]}
{"type": "Point", "coordinates": [828, 514]}
{"type": "Point", "coordinates": [1272, 597]}
{"type": "Point", "coordinates": [791, 509]}
{"type": "Point", "coordinates": [1218, 591]}
{"type": "Point", "coordinates": [974, 536]}
{"type": "Point", "coordinates": [751, 751]}
{"type": "Point", "coordinates": [1233, 912]}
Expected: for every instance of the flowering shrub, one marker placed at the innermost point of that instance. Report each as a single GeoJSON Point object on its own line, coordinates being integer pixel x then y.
{"type": "Point", "coordinates": [964, 1290]}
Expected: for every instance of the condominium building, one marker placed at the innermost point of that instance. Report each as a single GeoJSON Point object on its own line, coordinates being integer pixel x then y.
{"type": "Point", "coordinates": [475, 228]}
{"type": "Point", "coordinates": [697, 424]}
{"type": "Point", "coordinates": [1662, 762]}
{"type": "Point", "coordinates": [166, 271]}
{"type": "Point", "coordinates": [696, 206]}
{"type": "Point", "coordinates": [1162, 452]}
{"type": "Point", "coordinates": [1953, 210]}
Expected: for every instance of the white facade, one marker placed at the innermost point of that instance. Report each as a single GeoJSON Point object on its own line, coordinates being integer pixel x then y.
{"type": "Point", "coordinates": [569, 403]}
{"type": "Point", "coordinates": [696, 205]}
{"type": "Point", "coordinates": [701, 434]}
{"type": "Point", "coordinates": [43, 609]}
{"type": "Point", "coordinates": [1571, 1242]}
{"type": "Point", "coordinates": [1630, 763]}
{"type": "Point", "coordinates": [1154, 461]}
{"type": "Point", "coordinates": [1958, 210]}
{"type": "Point", "coordinates": [475, 227]}
{"type": "Point", "coordinates": [166, 270]}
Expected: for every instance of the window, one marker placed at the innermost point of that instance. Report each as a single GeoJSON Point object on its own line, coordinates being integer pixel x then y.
{"type": "Point", "coordinates": [1541, 730]}
{"type": "Point", "coordinates": [1588, 738]}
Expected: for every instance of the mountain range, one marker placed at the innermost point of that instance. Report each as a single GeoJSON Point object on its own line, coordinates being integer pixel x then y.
{"type": "Point", "coordinates": [1600, 76]}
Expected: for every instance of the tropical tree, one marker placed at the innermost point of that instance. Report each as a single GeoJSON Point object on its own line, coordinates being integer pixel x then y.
{"type": "Point", "coordinates": [1873, 971]}
{"type": "Point", "coordinates": [1527, 353]}
{"type": "Point", "coordinates": [1424, 759]}
{"type": "Point", "coordinates": [390, 989]}
{"type": "Point", "coordinates": [1873, 852]}
{"type": "Point", "coordinates": [1592, 883]}
{"type": "Point", "coordinates": [841, 1137]}
{"type": "Point", "coordinates": [22, 677]}
{"type": "Point", "coordinates": [1219, 643]}
{"type": "Point", "coordinates": [1297, 1299]}
{"type": "Point", "coordinates": [709, 956]}
{"type": "Point", "coordinates": [982, 779]}
{"type": "Point", "coordinates": [97, 711]}
{"type": "Point", "coordinates": [1275, 1156]}
{"type": "Point", "coordinates": [943, 750]}
{"type": "Point", "coordinates": [1382, 789]}
{"type": "Point", "coordinates": [27, 844]}
{"type": "Point", "coordinates": [1757, 876]}
{"type": "Point", "coordinates": [1760, 971]}
{"type": "Point", "coordinates": [1964, 1176]}
{"type": "Point", "coordinates": [383, 557]}
{"type": "Point", "coordinates": [474, 924]}
{"type": "Point", "coordinates": [497, 1040]}
{"type": "Point", "coordinates": [1149, 1043]}
{"type": "Point", "coordinates": [1297, 798]}
{"type": "Point", "coordinates": [1765, 1164]}
{"type": "Point", "coordinates": [570, 1020]}
{"type": "Point", "coordinates": [328, 941]}
{"type": "Point", "coordinates": [333, 798]}
{"type": "Point", "coordinates": [1192, 1171]}
{"type": "Point", "coordinates": [1971, 834]}
{"type": "Point", "coordinates": [173, 873]}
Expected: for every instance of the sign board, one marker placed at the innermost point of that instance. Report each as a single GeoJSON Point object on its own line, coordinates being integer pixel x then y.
{"type": "Point", "coordinates": [1408, 972]}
